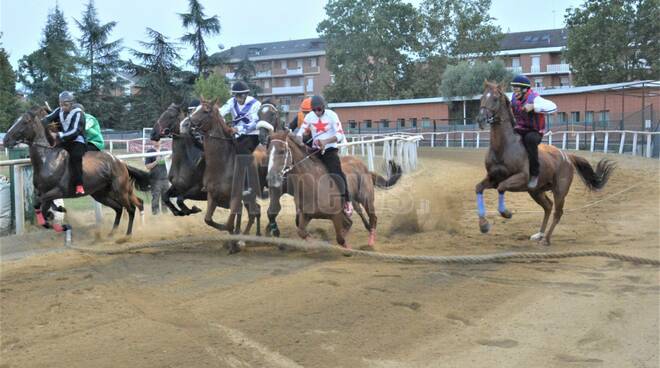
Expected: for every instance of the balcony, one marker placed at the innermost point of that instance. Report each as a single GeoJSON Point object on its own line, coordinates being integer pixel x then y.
{"type": "Point", "coordinates": [559, 68]}
{"type": "Point", "coordinates": [229, 76]}
{"type": "Point", "coordinates": [288, 90]}
{"type": "Point", "coordinates": [297, 71]}
{"type": "Point", "coordinates": [263, 74]}
{"type": "Point", "coordinates": [535, 69]}
{"type": "Point", "coordinates": [514, 69]}
{"type": "Point", "coordinates": [312, 70]}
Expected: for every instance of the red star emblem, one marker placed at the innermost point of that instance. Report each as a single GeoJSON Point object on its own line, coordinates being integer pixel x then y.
{"type": "Point", "coordinates": [320, 126]}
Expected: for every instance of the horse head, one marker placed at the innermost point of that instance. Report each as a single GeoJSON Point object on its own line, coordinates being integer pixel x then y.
{"type": "Point", "coordinates": [494, 102]}
{"type": "Point", "coordinates": [269, 121]}
{"type": "Point", "coordinates": [280, 157]}
{"type": "Point", "coordinates": [207, 120]}
{"type": "Point", "coordinates": [27, 128]}
{"type": "Point", "coordinates": [167, 124]}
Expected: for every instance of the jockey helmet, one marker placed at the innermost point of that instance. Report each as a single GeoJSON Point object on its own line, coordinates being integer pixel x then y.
{"type": "Point", "coordinates": [66, 96]}
{"type": "Point", "coordinates": [240, 87]}
{"type": "Point", "coordinates": [318, 103]}
{"type": "Point", "coordinates": [521, 81]}
{"type": "Point", "coordinates": [306, 105]}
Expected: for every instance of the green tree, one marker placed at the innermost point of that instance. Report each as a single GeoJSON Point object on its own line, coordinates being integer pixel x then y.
{"type": "Point", "coordinates": [53, 67]}
{"type": "Point", "coordinates": [161, 82]}
{"type": "Point", "coordinates": [245, 71]}
{"type": "Point", "coordinates": [201, 27]}
{"type": "Point", "coordinates": [369, 46]}
{"type": "Point", "coordinates": [211, 87]}
{"type": "Point", "coordinates": [9, 107]}
{"type": "Point", "coordinates": [101, 58]}
{"type": "Point", "coordinates": [613, 41]}
{"type": "Point", "coordinates": [465, 79]}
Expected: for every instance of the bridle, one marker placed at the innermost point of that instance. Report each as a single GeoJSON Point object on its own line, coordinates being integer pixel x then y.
{"type": "Point", "coordinates": [288, 157]}
{"type": "Point", "coordinates": [493, 116]}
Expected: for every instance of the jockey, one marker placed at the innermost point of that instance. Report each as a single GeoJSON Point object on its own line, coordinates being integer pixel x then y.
{"type": "Point", "coordinates": [305, 108]}
{"type": "Point", "coordinates": [93, 135]}
{"type": "Point", "coordinates": [244, 110]}
{"type": "Point", "coordinates": [326, 133]}
{"type": "Point", "coordinates": [529, 109]}
{"type": "Point", "coordinates": [71, 138]}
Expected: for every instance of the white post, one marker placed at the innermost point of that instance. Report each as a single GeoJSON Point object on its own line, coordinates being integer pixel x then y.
{"type": "Point", "coordinates": [607, 138]}
{"type": "Point", "coordinates": [648, 146]}
{"type": "Point", "coordinates": [622, 142]}
{"type": "Point", "coordinates": [432, 140]}
{"type": "Point", "coordinates": [362, 146]}
{"type": "Point", "coordinates": [19, 201]}
{"type": "Point", "coordinates": [462, 139]}
{"type": "Point", "coordinates": [634, 150]}
{"type": "Point", "coordinates": [353, 146]}
{"type": "Point", "coordinates": [563, 142]}
{"type": "Point", "coordinates": [97, 213]}
{"type": "Point", "coordinates": [593, 141]}
{"type": "Point", "coordinates": [577, 141]}
{"type": "Point", "coordinates": [447, 139]}
{"type": "Point", "coordinates": [477, 139]}
{"type": "Point", "coordinates": [144, 143]}
{"type": "Point", "coordinates": [370, 156]}
{"type": "Point", "coordinates": [111, 146]}
{"type": "Point", "coordinates": [550, 139]}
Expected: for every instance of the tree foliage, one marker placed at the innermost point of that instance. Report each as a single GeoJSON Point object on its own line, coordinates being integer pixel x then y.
{"type": "Point", "coordinates": [54, 66]}
{"type": "Point", "coordinates": [212, 87]}
{"type": "Point", "coordinates": [614, 41]}
{"type": "Point", "coordinates": [201, 27]}
{"type": "Point", "coordinates": [466, 79]}
{"type": "Point", "coordinates": [245, 71]}
{"type": "Point", "coordinates": [9, 107]}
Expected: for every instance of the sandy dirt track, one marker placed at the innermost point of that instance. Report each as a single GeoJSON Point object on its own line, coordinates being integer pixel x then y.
{"type": "Point", "coordinates": [196, 306]}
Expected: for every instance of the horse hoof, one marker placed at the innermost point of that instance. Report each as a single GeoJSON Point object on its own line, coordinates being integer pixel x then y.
{"type": "Point", "coordinates": [506, 214]}
{"type": "Point", "coordinates": [544, 242]}
{"type": "Point", "coordinates": [195, 209]}
{"type": "Point", "coordinates": [537, 236]}
{"type": "Point", "coordinates": [368, 248]}
{"type": "Point", "coordinates": [484, 226]}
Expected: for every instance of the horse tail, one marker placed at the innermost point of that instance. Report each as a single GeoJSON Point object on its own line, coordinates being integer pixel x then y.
{"type": "Point", "coordinates": [140, 178]}
{"type": "Point", "coordinates": [395, 175]}
{"type": "Point", "coordinates": [593, 180]}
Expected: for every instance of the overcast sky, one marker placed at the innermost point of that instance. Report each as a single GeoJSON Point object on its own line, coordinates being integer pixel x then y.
{"type": "Point", "coordinates": [243, 22]}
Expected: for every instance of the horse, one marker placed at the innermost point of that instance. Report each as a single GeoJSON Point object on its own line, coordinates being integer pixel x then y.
{"type": "Point", "coordinates": [107, 179]}
{"type": "Point", "coordinates": [187, 170]}
{"type": "Point", "coordinates": [507, 166]}
{"type": "Point", "coordinates": [315, 193]}
{"type": "Point", "coordinates": [223, 186]}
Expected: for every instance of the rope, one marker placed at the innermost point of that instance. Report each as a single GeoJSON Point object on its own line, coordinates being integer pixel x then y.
{"type": "Point", "coordinates": [324, 246]}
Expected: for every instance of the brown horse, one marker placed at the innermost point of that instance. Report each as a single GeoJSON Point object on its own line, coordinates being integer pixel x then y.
{"type": "Point", "coordinates": [107, 179]}
{"type": "Point", "coordinates": [315, 193]}
{"type": "Point", "coordinates": [507, 165]}
{"type": "Point", "coordinates": [222, 180]}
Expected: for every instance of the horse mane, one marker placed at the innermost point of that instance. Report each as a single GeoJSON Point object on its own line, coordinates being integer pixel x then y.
{"type": "Point", "coordinates": [507, 102]}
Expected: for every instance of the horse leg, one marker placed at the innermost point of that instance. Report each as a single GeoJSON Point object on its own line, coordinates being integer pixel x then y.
{"type": "Point", "coordinates": [486, 183]}
{"type": "Point", "coordinates": [274, 208]}
{"type": "Point", "coordinates": [542, 199]}
{"type": "Point", "coordinates": [302, 222]}
{"type": "Point", "coordinates": [105, 200]}
{"type": "Point", "coordinates": [340, 231]}
{"type": "Point", "coordinates": [131, 215]}
{"type": "Point", "coordinates": [501, 206]}
{"type": "Point", "coordinates": [559, 192]}
{"type": "Point", "coordinates": [373, 221]}
{"type": "Point", "coordinates": [208, 218]}
{"type": "Point", "coordinates": [171, 192]}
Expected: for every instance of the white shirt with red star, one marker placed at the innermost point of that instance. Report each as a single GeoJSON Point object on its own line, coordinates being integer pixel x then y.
{"type": "Point", "coordinates": [324, 127]}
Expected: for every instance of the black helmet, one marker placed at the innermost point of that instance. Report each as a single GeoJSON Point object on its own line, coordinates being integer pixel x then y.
{"type": "Point", "coordinates": [240, 87]}
{"type": "Point", "coordinates": [66, 96]}
{"type": "Point", "coordinates": [318, 102]}
{"type": "Point", "coordinates": [193, 104]}
{"type": "Point", "coordinates": [521, 81]}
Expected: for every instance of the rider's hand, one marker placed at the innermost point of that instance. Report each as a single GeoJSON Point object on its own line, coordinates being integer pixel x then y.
{"type": "Point", "coordinates": [528, 107]}
{"type": "Point", "coordinates": [55, 137]}
{"type": "Point", "coordinates": [319, 143]}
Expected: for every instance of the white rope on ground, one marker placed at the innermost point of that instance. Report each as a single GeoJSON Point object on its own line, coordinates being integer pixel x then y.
{"type": "Point", "coordinates": [575, 209]}
{"type": "Point", "coordinates": [324, 246]}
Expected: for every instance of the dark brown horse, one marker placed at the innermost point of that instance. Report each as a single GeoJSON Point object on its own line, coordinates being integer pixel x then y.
{"type": "Point", "coordinates": [222, 180]}
{"type": "Point", "coordinates": [187, 170]}
{"type": "Point", "coordinates": [107, 179]}
{"type": "Point", "coordinates": [507, 165]}
{"type": "Point", "coordinates": [315, 193]}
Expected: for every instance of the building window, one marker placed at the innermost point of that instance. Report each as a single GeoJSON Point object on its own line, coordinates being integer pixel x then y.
{"type": "Point", "coordinates": [266, 84]}
{"type": "Point", "coordinates": [285, 100]}
{"type": "Point", "coordinates": [562, 118]}
{"type": "Point", "coordinates": [426, 123]}
{"type": "Point", "coordinates": [385, 123]}
{"type": "Point", "coordinates": [563, 82]}
{"type": "Point", "coordinates": [515, 62]}
{"type": "Point", "coordinates": [351, 124]}
{"type": "Point", "coordinates": [413, 122]}
{"type": "Point", "coordinates": [313, 62]}
{"type": "Point", "coordinates": [283, 64]}
{"type": "Point", "coordinates": [367, 123]}
{"type": "Point", "coordinates": [536, 64]}
{"type": "Point", "coordinates": [604, 118]}
{"type": "Point", "coordinates": [287, 82]}
{"type": "Point", "coordinates": [589, 117]}
{"type": "Point", "coordinates": [550, 121]}
{"type": "Point", "coordinates": [538, 82]}
{"type": "Point", "coordinates": [299, 63]}
{"type": "Point", "coordinates": [401, 123]}
{"type": "Point", "coordinates": [575, 117]}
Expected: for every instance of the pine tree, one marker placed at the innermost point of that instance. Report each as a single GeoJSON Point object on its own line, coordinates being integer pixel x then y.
{"type": "Point", "coordinates": [8, 100]}
{"type": "Point", "coordinates": [201, 27]}
{"type": "Point", "coordinates": [101, 58]}
{"type": "Point", "coordinates": [53, 67]}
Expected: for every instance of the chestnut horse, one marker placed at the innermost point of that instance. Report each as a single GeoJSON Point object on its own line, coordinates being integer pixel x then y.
{"type": "Point", "coordinates": [107, 179]}
{"type": "Point", "coordinates": [507, 166]}
{"type": "Point", "coordinates": [316, 194]}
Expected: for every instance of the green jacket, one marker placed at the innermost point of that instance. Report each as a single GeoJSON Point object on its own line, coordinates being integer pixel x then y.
{"type": "Point", "coordinates": [93, 132]}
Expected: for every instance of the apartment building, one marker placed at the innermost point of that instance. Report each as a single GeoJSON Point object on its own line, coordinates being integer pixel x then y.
{"type": "Point", "coordinates": [286, 71]}
{"type": "Point", "coordinates": [538, 55]}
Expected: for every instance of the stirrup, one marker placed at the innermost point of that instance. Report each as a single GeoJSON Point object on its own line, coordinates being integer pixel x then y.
{"type": "Point", "coordinates": [533, 182]}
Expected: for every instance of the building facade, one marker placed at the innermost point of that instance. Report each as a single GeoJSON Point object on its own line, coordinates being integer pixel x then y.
{"type": "Point", "coordinates": [286, 71]}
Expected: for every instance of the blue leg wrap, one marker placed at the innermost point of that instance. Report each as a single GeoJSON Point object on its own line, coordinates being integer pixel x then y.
{"type": "Point", "coordinates": [481, 208]}
{"type": "Point", "coordinates": [501, 206]}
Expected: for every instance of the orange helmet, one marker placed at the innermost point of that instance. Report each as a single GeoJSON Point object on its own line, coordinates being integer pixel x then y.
{"type": "Point", "coordinates": [306, 105]}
